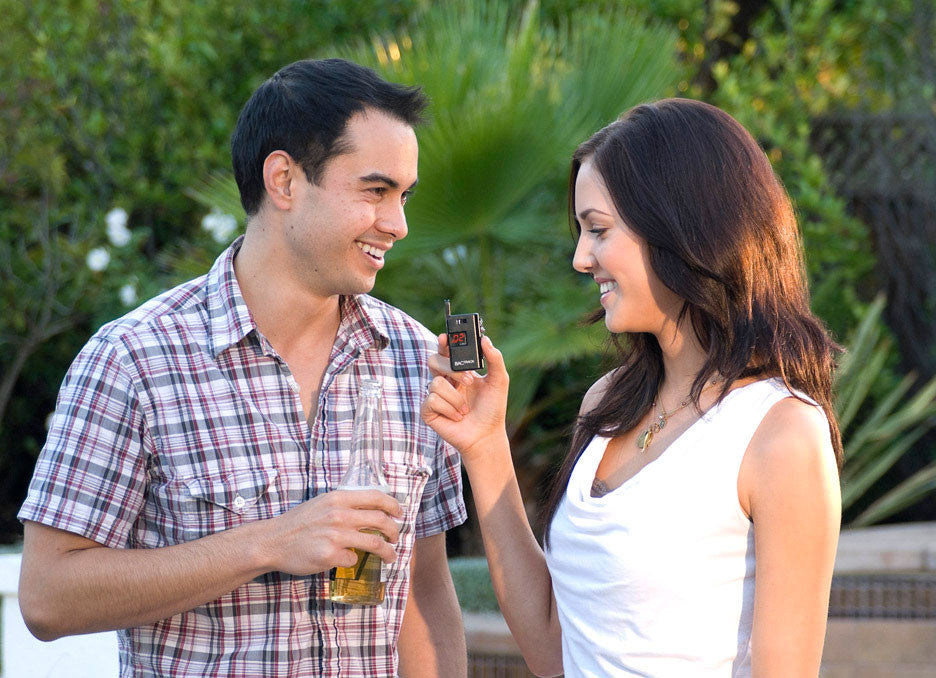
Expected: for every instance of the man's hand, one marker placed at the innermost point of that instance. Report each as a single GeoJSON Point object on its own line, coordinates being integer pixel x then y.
{"type": "Point", "coordinates": [319, 534]}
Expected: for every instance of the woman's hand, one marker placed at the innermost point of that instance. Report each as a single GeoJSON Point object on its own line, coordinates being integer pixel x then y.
{"type": "Point", "coordinates": [466, 409]}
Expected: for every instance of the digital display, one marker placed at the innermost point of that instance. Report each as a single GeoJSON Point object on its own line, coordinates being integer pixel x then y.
{"type": "Point", "coordinates": [459, 338]}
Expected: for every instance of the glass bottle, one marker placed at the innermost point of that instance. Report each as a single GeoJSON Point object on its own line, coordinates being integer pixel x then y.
{"type": "Point", "coordinates": [363, 583]}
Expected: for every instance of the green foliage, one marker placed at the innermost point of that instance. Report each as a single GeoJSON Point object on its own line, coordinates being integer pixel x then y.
{"type": "Point", "coordinates": [804, 60]}
{"type": "Point", "coordinates": [122, 103]}
{"type": "Point", "coordinates": [119, 103]}
{"type": "Point", "coordinates": [890, 423]}
{"type": "Point", "coordinates": [472, 581]}
{"type": "Point", "coordinates": [795, 65]}
{"type": "Point", "coordinates": [512, 97]}
{"type": "Point", "coordinates": [129, 104]}
{"type": "Point", "coordinates": [125, 102]}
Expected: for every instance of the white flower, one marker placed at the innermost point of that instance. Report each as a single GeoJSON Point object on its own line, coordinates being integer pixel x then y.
{"type": "Point", "coordinates": [452, 255]}
{"type": "Point", "coordinates": [117, 231]}
{"type": "Point", "coordinates": [128, 294]}
{"type": "Point", "coordinates": [221, 226]}
{"type": "Point", "coordinates": [98, 259]}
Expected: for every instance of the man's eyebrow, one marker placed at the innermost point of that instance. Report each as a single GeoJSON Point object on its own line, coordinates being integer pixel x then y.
{"type": "Point", "coordinates": [383, 178]}
{"type": "Point", "coordinates": [584, 215]}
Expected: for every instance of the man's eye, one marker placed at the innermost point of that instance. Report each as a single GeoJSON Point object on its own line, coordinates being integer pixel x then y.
{"type": "Point", "coordinates": [406, 196]}
{"type": "Point", "coordinates": [379, 191]}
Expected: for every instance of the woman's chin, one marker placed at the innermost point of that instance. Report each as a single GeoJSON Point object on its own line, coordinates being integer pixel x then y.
{"type": "Point", "coordinates": [618, 325]}
{"type": "Point", "coordinates": [615, 326]}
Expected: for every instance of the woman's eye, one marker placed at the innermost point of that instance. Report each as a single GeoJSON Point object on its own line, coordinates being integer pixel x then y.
{"type": "Point", "coordinates": [597, 232]}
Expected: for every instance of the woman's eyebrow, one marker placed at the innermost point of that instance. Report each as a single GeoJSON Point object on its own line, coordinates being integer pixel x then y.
{"type": "Point", "coordinates": [584, 214]}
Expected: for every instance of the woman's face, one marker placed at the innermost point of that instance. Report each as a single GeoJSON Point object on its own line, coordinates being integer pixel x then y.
{"type": "Point", "coordinates": [618, 259]}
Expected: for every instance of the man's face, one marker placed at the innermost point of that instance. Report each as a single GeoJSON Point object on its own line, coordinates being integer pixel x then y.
{"type": "Point", "coordinates": [340, 230]}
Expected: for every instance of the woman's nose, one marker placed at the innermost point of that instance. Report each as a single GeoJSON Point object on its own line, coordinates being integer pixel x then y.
{"type": "Point", "coordinates": [583, 260]}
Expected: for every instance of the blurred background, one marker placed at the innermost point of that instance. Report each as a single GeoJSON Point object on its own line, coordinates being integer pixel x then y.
{"type": "Point", "coordinates": [115, 184]}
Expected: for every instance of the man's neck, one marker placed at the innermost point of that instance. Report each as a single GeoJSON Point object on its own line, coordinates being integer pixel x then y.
{"type": "Point", "coordinates": [290, 316]}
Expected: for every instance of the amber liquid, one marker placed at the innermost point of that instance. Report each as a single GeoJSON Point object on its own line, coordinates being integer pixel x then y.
{"type": "Point", "coordinates": [360, 584]}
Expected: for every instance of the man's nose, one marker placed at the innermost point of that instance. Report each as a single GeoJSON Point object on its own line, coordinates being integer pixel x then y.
{"type": "Point", "coordinates": [392, 220]}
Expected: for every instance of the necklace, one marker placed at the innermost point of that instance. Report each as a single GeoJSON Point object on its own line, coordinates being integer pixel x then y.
{"type": "Point", "coordinates": [646, 437]}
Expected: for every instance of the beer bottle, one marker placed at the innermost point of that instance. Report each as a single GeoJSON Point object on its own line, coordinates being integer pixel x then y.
{"type": "Point", "coordinates": [363, 583]}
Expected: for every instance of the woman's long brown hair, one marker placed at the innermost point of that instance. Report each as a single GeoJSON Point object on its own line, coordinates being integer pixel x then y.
{"type": "Point", "coordinates": [693, 183]}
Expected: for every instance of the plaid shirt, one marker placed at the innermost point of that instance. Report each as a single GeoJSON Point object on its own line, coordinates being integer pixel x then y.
{"type": "Point", "coordinates": [180, 420]}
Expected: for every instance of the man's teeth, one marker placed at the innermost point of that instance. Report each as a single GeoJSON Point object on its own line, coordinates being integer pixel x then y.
{"type": "Point", "coordinates": [607, 286]}
{"type": "Point", "coordinates": [373, 251]}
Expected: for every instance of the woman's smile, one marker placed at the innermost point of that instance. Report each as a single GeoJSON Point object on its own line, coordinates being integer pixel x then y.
{"type": "Point", "coordinates": [605, 288]}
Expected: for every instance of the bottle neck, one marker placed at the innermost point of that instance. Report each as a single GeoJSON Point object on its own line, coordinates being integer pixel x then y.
{"type": "Point", "coordinates": [365, 461]}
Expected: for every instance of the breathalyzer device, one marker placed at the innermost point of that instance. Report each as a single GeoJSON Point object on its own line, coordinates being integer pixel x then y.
{"type": "Point", "coordinates": [464, 340]}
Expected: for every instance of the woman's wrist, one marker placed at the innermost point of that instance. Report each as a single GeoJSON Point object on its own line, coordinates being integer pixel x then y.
{"type": "Point", "coordinates": [486, 448]}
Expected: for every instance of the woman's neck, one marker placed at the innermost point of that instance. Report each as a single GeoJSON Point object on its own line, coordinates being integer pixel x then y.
{"type": "Point", "coordinates": [683, 359]}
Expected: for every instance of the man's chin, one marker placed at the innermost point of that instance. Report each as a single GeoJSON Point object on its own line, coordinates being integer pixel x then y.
{"type": "Point", "coordinates": [360, 287]}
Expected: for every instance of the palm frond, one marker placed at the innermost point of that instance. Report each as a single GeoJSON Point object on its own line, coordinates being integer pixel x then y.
{"type": "Point", "coordinates": [877, 466]}
{"type": "Point", "coordinates": [218, 190]}
{"type": "Point", "coordinates": [907, 493]}
{"type": "Point", "coordinates": [877, 434]}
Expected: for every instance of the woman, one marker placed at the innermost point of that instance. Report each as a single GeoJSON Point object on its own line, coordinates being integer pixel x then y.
{"type": "Point", "coordinates": [691, 530]}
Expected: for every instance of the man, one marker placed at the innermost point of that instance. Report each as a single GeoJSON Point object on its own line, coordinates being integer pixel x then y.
{"type": "Point", "coordinates": [186, 492]}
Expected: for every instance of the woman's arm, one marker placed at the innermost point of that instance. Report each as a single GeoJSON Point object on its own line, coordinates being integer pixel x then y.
{"type": "Point", "coordinates": [468, 411]}
{"type": "Point", "coordinates": [789, 486]}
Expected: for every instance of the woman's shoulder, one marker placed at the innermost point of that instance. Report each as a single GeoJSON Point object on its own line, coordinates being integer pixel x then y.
{"type": "Point", "coordinates": [790, 444]}
{"type": "Point", "coordinates": [791, 419]}
{"type": "Point", "coordinates": [594, 394]}
{"type": "Point", "coordinates": [794, 425]}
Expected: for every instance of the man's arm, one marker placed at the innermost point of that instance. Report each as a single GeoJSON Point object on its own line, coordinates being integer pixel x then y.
{"type": "Point", "coordinates": [70, 584]}
{"type": "Point", "coordinates": [432, 638]}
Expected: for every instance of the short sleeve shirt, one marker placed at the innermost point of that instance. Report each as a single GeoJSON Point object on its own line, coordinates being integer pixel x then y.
{"type": "Point", "coordinates": [179, 420]}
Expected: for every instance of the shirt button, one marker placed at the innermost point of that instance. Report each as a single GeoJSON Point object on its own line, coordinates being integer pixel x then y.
{"type": "Point", "coordinates": [239, 502]}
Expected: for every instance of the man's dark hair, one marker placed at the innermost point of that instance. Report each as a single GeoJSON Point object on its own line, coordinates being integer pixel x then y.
{"type": "Point", "coordinates": [304, 110]}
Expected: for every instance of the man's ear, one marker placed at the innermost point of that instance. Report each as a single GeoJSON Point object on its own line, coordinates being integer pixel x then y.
{"type": "Point", "coordinates": [279, 173]}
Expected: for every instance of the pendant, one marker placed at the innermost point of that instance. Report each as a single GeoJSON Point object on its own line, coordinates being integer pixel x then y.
{"type": "Point", "coordinates": [661, 423]}
{"type": "Point", "coordinates": [643, 440]}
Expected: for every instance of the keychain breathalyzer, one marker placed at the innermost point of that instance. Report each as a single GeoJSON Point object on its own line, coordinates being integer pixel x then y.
{"type": "Point", "coordinates": [464, 340]}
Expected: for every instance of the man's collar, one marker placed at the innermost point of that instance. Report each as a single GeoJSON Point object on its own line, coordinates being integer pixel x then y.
{"type": "Point", "coordinates": [364, 328]}
{"type": "Point", "coordinates": [229, 319]}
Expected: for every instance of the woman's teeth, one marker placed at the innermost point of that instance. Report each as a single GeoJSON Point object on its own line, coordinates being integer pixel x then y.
{"type": "Point", "coordinates": [607, 286]}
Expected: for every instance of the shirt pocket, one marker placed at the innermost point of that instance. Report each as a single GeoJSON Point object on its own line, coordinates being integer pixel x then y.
{"type": "Point", "coordinates": [219, 502]}
{"type": "Point", "coordinates": [407, 483]}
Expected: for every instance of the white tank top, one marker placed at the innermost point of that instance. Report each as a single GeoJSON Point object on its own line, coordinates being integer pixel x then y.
{"type": "Point", "coordinates": [656, 578]}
